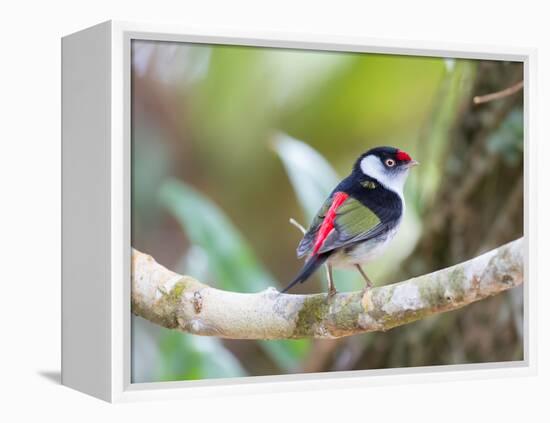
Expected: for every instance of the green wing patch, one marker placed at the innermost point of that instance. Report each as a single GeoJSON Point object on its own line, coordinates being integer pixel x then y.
{"type": "Point", "coordinates": [353, 222]}
{"type": "Point", "coordinates": [353, 218]}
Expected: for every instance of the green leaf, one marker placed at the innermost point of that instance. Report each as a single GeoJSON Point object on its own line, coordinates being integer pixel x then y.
{"type": "Point", "coordinates": [231, 261]}
{"type": "Point", "coordinates": [189, 357]}
{"type": "Point", "coordinates": [312, 177]}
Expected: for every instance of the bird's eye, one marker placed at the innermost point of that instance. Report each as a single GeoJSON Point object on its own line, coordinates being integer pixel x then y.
{"type": "Point", "coordinates": [390, 162]}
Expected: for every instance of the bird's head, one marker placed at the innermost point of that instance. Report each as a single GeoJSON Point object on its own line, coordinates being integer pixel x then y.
{"type": "Point", "coordinates": [388, 165]}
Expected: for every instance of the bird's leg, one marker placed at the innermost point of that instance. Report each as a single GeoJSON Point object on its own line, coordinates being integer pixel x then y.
{"type": "Point", "coordinates": [331, 289]}
{"type": "Point", "coordinates": [367, 280]}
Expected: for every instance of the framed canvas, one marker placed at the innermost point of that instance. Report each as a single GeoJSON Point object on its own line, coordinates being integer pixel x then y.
{"type": "Point", "coordinates": [186, 152]}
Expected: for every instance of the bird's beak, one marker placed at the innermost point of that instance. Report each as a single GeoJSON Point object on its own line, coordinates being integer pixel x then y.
{"type": "Point", "coordinates": [412, 163]}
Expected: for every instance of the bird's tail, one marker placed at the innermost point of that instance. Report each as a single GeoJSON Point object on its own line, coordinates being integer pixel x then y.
{"type": "Point", "coordinates": [309, 268]}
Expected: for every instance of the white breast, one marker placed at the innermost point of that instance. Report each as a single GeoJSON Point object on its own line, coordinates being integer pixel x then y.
{"type": "Point", "coordinates": [364, 252]}
{"type": "Point", "coordinates": [373, 167]}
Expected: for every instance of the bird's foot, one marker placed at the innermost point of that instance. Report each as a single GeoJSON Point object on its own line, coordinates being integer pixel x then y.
{"type": "Point", "coordinates": [368, 283]}
{"type": "Point", "coordinates": [331, 289]}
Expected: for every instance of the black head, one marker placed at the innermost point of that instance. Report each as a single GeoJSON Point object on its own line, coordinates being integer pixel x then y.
{"type": "Point", "coordinates": [391, 157]}
{"type": "Point", "coordinates": [388, 165]}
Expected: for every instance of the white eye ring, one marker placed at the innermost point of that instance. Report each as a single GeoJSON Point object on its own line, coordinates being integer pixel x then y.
{"type": "Point", "coordinates": [390, 162]}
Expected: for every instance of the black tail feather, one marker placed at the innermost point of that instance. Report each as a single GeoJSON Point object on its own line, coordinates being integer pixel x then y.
{"type": "Point", "coordinates": [309, 268]}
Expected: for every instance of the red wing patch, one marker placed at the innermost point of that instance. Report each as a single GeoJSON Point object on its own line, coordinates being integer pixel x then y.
{"type": "Point", "coordinates": [328, 222]}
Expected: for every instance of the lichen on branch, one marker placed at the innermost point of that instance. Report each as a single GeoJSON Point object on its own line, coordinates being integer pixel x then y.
{"type": "Point", "coordinates": [181, 302]}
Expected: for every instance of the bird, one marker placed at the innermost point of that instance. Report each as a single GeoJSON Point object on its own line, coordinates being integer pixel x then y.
{"type": "Point", "coordinates": [359, 218]}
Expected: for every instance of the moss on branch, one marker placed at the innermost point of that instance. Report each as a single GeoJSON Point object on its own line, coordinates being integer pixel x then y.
{"type": "Point", "coordinates": [180, 302]}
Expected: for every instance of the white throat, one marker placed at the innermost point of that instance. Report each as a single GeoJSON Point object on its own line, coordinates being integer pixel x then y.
{"type": "Point", "coordinates": [373, 167]}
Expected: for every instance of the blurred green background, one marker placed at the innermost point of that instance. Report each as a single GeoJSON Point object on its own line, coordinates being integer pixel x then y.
{"type": "Point", "coordinates": [230, 142]}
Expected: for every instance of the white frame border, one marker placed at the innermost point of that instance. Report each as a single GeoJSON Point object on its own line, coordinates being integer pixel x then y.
{"type": "Point", "coordinates": [121, 389]}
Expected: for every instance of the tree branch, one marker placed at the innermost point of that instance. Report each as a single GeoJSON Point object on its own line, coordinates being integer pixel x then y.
{"type": "Point", "coordinates": [480, 99]}
{"type": "Point", "coordinates": [181, 302]}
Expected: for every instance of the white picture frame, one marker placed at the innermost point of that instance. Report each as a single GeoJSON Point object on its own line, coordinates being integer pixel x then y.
{"type": "Point", "coordinates": [96, 225]}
